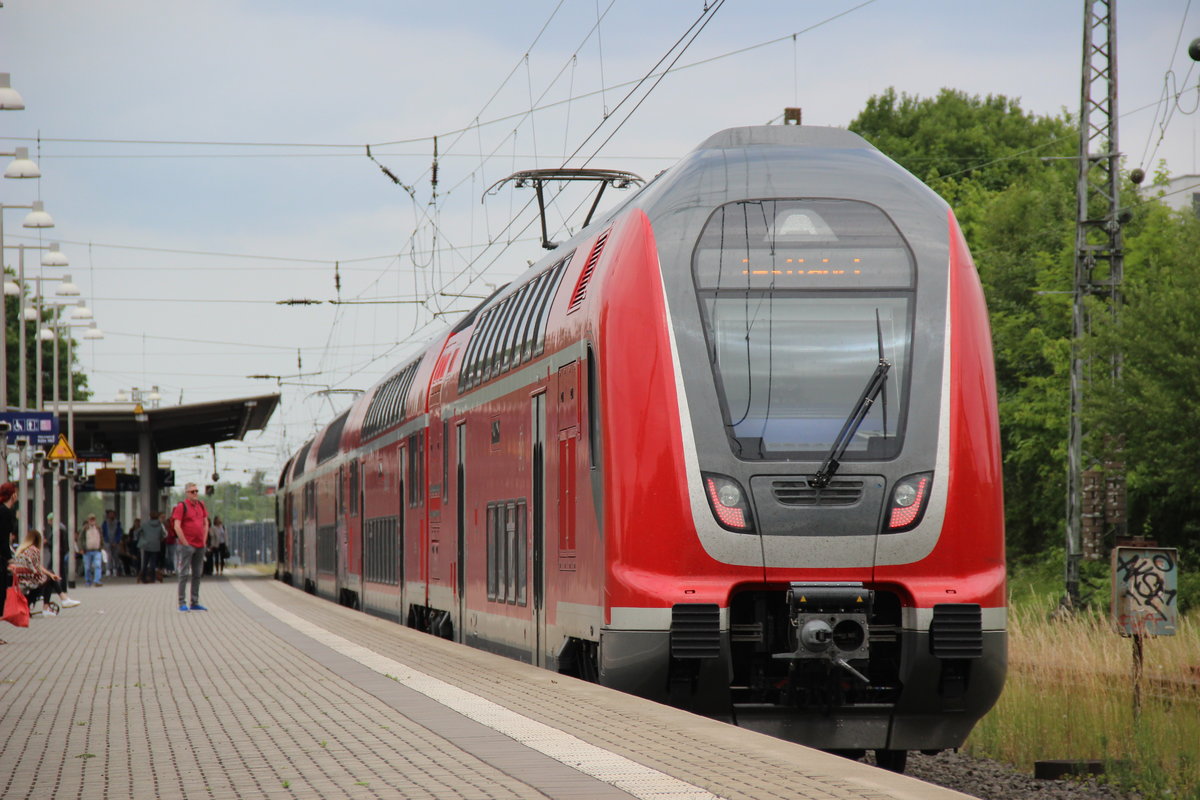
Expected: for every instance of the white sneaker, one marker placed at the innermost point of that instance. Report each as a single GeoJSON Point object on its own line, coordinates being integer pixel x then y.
{"type": "Point", "coordinates": [35, 613]}
{"type": "Point", "coordinates": [49, 612]}
{"type": "Point", "coordinates": [70, 602]}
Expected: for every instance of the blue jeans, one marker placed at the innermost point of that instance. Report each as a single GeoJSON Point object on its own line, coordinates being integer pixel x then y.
{"type": "Point", "coordinates": [91, 566]}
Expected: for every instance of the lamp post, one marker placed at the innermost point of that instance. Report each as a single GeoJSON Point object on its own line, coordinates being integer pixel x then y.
{"type": "Point", "coordinates": [35, 313]}
{"type": "Point", "coordinates": [52, 332]}
{"type": "Point", "coordinates": [10, 100]}
{"type": "Point", "coordinates": [93, 333]}
{"type": "Point", "coordinates": [36, 218]}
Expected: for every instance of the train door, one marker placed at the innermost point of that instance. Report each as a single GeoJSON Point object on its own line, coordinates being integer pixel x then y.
{"type": "Point", "coordinates": [567, 413]}
{"type": "Point", "coordinates": [538, 526]}
{"type": "Point", "coordinates": [399, 544]}
{"type": "Point", "coordinates": [460, 493]}
{"type": "Point", "coordinates": [440, 590]}
{"type": "Point", "coordinates": [339, 522]}
{"type": "Point", "coordinates": [355, 520]}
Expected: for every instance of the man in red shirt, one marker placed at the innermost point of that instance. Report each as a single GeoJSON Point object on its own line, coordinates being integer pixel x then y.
{"type": "Point", "coordinates": [189, 520]}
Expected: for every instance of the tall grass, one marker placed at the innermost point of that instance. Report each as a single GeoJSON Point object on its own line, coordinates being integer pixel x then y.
{"type": "Point", "coordinates": [1069, 695]}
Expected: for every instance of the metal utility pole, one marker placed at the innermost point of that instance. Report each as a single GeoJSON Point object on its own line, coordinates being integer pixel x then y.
{"type": "Point", "coordinates": [1099, 257]}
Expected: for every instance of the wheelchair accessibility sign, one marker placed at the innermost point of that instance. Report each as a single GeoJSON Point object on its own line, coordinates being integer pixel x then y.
{"type": "Point", "coordinates": [39, 428]}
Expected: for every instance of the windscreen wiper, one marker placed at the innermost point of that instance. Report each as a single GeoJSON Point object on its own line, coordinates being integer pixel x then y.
{"type": "Point", "coordinates": [859, 413]}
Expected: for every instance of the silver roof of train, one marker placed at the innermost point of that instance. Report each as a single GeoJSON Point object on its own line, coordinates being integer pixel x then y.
{"type": "Point", "coordinates": [784, 136]}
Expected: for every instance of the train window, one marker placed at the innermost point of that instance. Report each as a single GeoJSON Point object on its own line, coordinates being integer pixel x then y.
{"type": "Point", "coordinates": [799, 299]}
{"type": "Point", "coordinates": [340, 494]}
{"type": "Point", "coordinates": [508, 358]}
{"type": "Point", "coordinates": [537, 289]}
{"type": "Point", "coordinates": [381, 551]}
{"type": "Point", "coordinates": [492, 368]}
{"type": "Point", "coordinates": [416, 471]}
{"type": "Point", "coordinates": [387, 405]}
{"type": "Point", "coordinates": [470, 355]}
{"type": "Point", "coordinates": [332, 440]}
{"type": "Point", "coordinates": [547, 302]}
{"type": "Point", "coordinates": [487, 325]}
{"type": "Point", "coordinates": [493, 562]}
{"type": "Point", "coordinates": [593, 409]}
{"type": "Point", "coordinates": [801, 245]}
{"type": "Point", "coordinates": [445, 456]}
{"type": "Point", "coordinates": [489, 345]}
{"type": "Point", "coordinates": [521, 332]}
{"type": "Point", "coordinates": [354, 470]}
{"type": "Point", "coordinates": [510, 550]}
{"type": "Point", "coordinates": [521, 578]}
{"type": "Point", "coordinates": [791, 373]}
{"type": "Point", "coordinates": [510, 316]}
{"type": "Point", "coordinates": [496, 362]}
{"type": "Point", "coordinates": [393, 411]}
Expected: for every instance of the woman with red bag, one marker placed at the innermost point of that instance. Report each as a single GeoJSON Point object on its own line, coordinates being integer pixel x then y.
{"type": "Point", "coordinates": [34, 579]}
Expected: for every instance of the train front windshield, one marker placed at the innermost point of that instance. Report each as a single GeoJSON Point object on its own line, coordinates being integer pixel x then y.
{"type": "Point", "coordinates": [800, 300]}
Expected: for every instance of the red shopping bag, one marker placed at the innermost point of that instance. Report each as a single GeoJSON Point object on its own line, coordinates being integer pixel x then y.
{"type": "Point", "coordinates": [16, 608]}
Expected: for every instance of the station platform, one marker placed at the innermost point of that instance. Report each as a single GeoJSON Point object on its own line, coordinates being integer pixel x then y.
{"type": "Point", "coordinates": [275, 693]}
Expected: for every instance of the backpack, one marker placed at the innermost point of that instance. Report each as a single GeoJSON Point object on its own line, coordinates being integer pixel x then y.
{"type": "Point", "coordinates": [183, 513]}
{"type": "Point", "coordinates": [91, 539]}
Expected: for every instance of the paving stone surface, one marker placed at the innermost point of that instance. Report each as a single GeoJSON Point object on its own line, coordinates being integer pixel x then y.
{"type": "Point", "coordinates": [275, 693]}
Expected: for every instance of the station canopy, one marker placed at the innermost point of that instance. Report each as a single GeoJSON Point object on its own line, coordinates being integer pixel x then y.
{"type": "Point", "coordinates": [102, 429]}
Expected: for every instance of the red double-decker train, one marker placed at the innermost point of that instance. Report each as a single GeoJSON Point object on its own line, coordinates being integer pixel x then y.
{"type": "Point", "coordinates": [733, 447]}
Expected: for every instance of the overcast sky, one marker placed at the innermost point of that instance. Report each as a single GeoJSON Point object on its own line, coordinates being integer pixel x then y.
{"type": "Point", "coordinates": [203, 161]}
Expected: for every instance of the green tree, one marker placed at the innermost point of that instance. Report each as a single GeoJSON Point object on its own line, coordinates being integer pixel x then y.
{"type": "Point", "coordinates": [963, 144]}
{"type": "Point", "coordinates": [1155, 405]}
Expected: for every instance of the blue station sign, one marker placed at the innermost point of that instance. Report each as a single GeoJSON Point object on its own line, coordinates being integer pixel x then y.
{"type": "Point", "coordinates": [40, 428]}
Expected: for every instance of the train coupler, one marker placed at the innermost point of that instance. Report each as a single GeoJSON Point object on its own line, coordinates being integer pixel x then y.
{"type": "Point", "coordinates": [829, 621]}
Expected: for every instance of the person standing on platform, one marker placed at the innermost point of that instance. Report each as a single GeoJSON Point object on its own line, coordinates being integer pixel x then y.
{"type": "Point", "coordinates": [219, 545]}
{"type": "Point", "coordinates": [112, 540]}
{"type": "Point", "coordinates": [8, 529]}
{"type": "Point", "coordinates": [91, 544]}
{"type": "Point", "coordinates": [150, 539]}
{"type": "Point", "coordinates": [190, 523]}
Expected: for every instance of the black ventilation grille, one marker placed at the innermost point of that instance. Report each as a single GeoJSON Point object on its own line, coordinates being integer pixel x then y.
{"type": "Point", "coordinates": [695, 630]}
{"type": "Point", "coordinates": [956, 631]}
{"type": "Point", "coordinates": [586, 276]}
{"type": "Point", "coordinates": [844, 492]}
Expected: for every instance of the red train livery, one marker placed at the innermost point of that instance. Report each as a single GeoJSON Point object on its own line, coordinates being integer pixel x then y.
{"type": "Point", "coordinates": [732, 447]}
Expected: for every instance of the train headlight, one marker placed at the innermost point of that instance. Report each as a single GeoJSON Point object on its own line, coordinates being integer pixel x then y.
{"type": "Point", "coordinates": [728, 502]}
{"type": "Point", "coordinates": [909, 498]}
{"type": "Point", "coordinates": [730, 496]}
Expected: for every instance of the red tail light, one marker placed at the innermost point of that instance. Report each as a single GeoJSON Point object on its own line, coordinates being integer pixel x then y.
{"type": "Point", "coordinates": [728, 503]}
{"type": "Point", "coordinates": [909, 498]}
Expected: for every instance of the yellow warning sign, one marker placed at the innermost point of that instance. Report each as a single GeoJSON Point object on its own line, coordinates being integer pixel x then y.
{"type": "Point", "coordinates": [61, 450]}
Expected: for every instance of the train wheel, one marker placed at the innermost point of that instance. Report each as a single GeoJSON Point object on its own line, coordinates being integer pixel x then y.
{"type": "Point", "coordinates": [894, 760]}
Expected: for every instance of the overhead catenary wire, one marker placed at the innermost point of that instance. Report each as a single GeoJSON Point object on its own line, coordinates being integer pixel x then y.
{"type": "Point", "coordinates": [473, 257]}
{"type": "Point", "coordinates": [1163, 106]}
{"type": "Point", "coordinates": [475, 125]}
